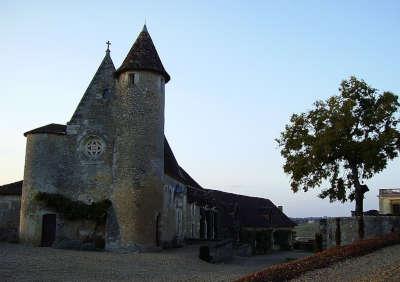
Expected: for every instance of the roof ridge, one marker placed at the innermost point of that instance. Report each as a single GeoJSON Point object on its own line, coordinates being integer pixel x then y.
{"type": "Point", "coordinates": [241, 195]}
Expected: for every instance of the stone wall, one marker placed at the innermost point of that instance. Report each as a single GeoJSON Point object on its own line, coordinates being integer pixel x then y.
{"type": "Point", "coordinates": [180, 219]}
{"type": "Point", "coordinates": [43, 162]}
{"type": "Point", "coordinates": [174, 212]}
{"type": "Point", "coordinates": [9, 218]}
{"type": "Point", "coordinates": [123, 119]}
{"type": "Point", "coordinates": [192, 221]}
{"type": "Point", "coordinates": [374, 226]}
{"type": "Point", "coordinates": [386, 204]}
{"type": "Point", "coordinates": [61, 164]}
{"type": "Point", "coordinates": [138, 168]}
{"type": "Point", "coordinates": [79, 234]}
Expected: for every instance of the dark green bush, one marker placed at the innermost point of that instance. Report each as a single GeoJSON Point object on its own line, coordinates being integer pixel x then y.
{"type": "Point", "coordinates": [74, 210]}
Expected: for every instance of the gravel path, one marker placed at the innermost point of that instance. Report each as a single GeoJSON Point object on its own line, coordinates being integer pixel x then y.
{"type": "Point", "coordinates": [22, 263]}
{"type": "Point", "coordinates": [382, 265]}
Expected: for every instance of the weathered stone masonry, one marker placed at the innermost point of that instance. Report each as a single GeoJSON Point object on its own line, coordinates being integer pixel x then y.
{"type": "Point", "coordinates": [10, 204]}
{"type": "Point", "coordinates": [374, 226]}
{"type": "Point", "coordinates": [113, 150]}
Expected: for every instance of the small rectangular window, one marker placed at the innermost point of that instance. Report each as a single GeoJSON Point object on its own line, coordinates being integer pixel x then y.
{"type": "Point", "coordinates": [131, 79]}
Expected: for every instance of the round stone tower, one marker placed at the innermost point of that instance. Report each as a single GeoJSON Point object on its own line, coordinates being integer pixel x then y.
{"type": "Point", "coordinates": [138, 168]}
{"type": "Point", "coordinates": [43, 163]}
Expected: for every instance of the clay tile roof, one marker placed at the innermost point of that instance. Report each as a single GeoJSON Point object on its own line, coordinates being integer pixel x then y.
{"type": "Point", "coordinates": [188, 179]}
{"type": "Point", "coordinates": [389, 192]}
{"type": "Point", "coordinates": [51, 128]}
{"type": "Point", "coordinates": [252, 212]}
{"type": "Point", "coordinates": [171, 167]}
{"type": "Point", "coordinates": [143, 56]}
{"type": "Point", "coordinates": [11, 189]}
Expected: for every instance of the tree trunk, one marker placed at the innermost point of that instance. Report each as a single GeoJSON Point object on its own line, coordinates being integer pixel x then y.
{"type": "Point", "coordinates": [359, 198]}
{"type": "Point", "coordinates": [359, 212]}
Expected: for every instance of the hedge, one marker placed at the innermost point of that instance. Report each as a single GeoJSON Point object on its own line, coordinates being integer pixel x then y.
{"type": "Point", "coordinates": [293, 269]}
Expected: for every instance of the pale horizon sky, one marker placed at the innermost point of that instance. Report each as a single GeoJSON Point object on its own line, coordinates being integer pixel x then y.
{"type": "Point", "coordinates": [238, 71]}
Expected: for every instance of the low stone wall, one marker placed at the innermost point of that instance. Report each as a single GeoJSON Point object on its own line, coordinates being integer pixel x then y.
{"type": "Point", "coordinates": [222, 251]}
{"type": "Point", "coordinates": [374, 226]}
{"type": "Point", "coordinates": [215, 252]}
{"type": "Point", "coordinates": [9, 218]}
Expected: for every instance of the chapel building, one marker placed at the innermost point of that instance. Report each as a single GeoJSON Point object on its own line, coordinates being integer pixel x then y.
{"type": "Point", "coordinates": [109, 176]}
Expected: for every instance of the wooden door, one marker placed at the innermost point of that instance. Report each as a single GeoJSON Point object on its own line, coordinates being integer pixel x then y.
{"type": "Point", "coordinates": [48, 230]}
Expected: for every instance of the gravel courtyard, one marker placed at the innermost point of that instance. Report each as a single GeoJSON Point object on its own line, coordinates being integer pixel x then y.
{"type": "Point", "coordinates": [380, 266]}
{"type": "Point", "coordinates": [21, 263]}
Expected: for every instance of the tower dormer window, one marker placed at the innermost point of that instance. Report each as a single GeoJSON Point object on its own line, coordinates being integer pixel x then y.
{"type": "Point", "coordinates": [131, 79]}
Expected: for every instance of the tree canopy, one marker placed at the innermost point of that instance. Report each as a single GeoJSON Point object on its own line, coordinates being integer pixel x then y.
{"type": "Point", "coordinates": [342, 141]}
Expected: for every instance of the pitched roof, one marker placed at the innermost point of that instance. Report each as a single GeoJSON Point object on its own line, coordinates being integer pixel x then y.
{"type": "Point", "coordinates": [251, 211]}
{"type": "Point", "coordinates": [104, 76]}
{"type": "Point", "coordinates": [11, 189]}
{"type": "Point", "coordinates": [189, 180]}
{"type": "Point", "coordinates": [254, 211]}
{"type": "Point", "coordinates": [171, 167]}
{"type": "Point", "coordinates": [389, 192]}
{"type": "Point", "coordinates": [143, 56]}
{"type": "Point", "coordinates": [51, 128]}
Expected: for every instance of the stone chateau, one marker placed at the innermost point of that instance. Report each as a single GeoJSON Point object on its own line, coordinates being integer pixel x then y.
{"type": "Point", "coordinates": [112, 155]}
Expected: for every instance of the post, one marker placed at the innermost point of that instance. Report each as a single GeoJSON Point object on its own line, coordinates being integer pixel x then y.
{"type": "Point", "coordinates": [338, 233]}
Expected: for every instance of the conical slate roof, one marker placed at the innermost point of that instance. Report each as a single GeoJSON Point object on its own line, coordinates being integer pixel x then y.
{"type": "Point", "coordinates": [143, 56]}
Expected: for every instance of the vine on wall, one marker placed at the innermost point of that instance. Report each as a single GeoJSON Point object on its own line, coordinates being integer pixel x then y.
{"type": "Point", "coordinates": [74, 210]}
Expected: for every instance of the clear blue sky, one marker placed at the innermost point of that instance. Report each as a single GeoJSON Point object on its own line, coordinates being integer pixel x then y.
{"type": "Point", "coordinates": [238, 71]}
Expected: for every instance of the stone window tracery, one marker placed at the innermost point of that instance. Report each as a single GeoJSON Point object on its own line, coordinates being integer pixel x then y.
{"type": "Point", "coordinates": [93, 147]}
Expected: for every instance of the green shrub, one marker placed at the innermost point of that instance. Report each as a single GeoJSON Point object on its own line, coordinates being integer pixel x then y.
{"type": "Point", "coordinates": [74, 210]}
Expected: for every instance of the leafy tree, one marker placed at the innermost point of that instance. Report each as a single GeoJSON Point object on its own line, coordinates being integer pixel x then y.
{"type": "Point", "coordinates": [342, 141]}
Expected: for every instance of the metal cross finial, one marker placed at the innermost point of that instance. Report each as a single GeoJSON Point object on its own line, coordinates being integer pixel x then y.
{"type": "Point", "coordinates": [108, 45]}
